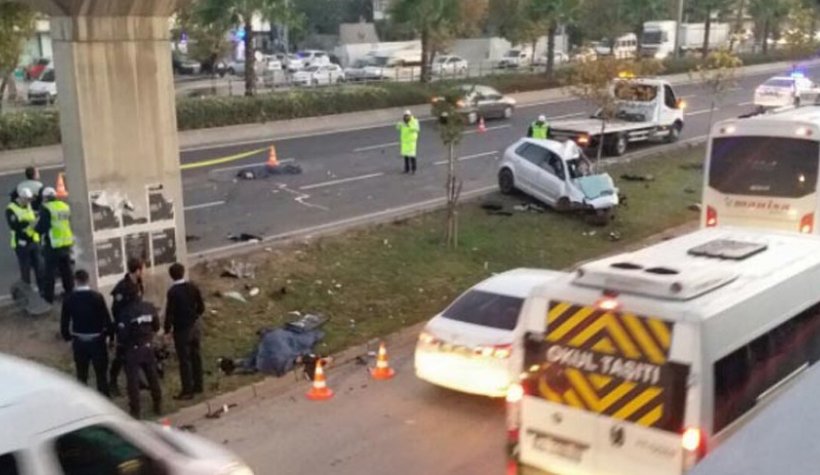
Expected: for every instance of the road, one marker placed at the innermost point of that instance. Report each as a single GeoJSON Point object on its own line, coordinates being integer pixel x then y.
{"type": "Point", "coordinates": [400, 427]}
{"type": "Point", "coordinates": [354, 175]}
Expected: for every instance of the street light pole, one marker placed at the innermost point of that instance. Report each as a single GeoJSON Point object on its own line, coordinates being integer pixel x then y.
{"type": "Point", "coordinates": [678, 28]}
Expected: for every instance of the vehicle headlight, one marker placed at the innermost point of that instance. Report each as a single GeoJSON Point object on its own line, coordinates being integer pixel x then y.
{"type": "Point", "coordinates": [237, 469]}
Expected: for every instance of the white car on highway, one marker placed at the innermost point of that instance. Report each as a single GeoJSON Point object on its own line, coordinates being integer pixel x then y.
{"type": "Point", "coordinates": [782, 91]}
{"type": "Point", "coordinates": [559, 175]}
{"type": "Point", "coordinates": [319, 75]}
{"type": "Point", "coordinates": [449, 65]}
{"type": "Point", "coordinates": [51, 424]}
{"type": "Point", "coordinates": [473, 346]}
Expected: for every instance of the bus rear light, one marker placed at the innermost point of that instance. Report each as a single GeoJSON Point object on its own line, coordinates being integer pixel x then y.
{"type": "Point", "coordinates": [691, 439]}
{"type": "Point", "coordinates": [711, 217]}
{"type": "Point", "coordinates": [693, 443]}
{"type": "Point", "coordinates": [807, 223]}
{"type": "Point", "coordinates": [515, 393]}
{"type": "Point", "coordinates": [803, 132]}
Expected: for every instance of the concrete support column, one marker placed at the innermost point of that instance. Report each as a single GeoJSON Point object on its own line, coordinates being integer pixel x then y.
{"type": "Point", "coordinates": [118, 121]}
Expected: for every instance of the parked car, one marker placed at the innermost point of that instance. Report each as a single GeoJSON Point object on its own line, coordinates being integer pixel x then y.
{"type": "Point", "coordinates": [271, 62]}
{"type": "Point", "coordinates": [475, 344]}
{"type": "Point", "coordinates": [319, 75]}
{"type": "Point", "coordinates": [185, 65]}
{"type": "Point", "coordinates": [55, 425]}
{"type": "Point", "coordinates": [558, 57]}
{"type": "Point", "coordinates": [450, 66]}
{"type": "Point", "coordinates": [294, 63]}
{"type": "Point", "coordinates": [44, 89]}
{"type": "Point", "coordinates": [314, 57]}
{"type": "Point", "coordinates": [559, 175]}
{"type": "Point", "coordinates": [358, 70]}
{"type": "Point", "coordinates": [583, 54]}
{"type": "Point", "coordinates": [403, 65]}
{"type": "Point", "coordinates": [515, 58]}
{"type": "Point", "coordinates": [36, 68]}
{"type": "Point", "coordinates": [483, 101]}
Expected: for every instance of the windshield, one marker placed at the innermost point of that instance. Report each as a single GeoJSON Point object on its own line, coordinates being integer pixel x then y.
{"type": "Point", "coordinates": [634, 92]}
{"type": "Point", "coordinates": [486, 309]}
{"type": "Point", "coordinates": [764, 166]}
{"type": "Point", "coordinates": [778, 82]}
{"type": "Point", "coordinates": [442, 59]}
{"type": "Point", "coordinates": [513, 53]}
{"type": "Point", "coordinates": [654, 37]}
{"type": "Point", "coordinates": [312, 69]}
{"type": "Point", "coordinates": [47, 76]}
{"type": "Point", "coordinates": [380, 61]}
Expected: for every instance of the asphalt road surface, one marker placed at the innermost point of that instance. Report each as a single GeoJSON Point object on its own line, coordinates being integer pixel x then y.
{"type": "Point", "coordinates": [357, 174]}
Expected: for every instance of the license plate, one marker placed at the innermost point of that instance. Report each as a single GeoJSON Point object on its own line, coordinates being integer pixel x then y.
{"type": "Point", "coordinates": [563, 448]}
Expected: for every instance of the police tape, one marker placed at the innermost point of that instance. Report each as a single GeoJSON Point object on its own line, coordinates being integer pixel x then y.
{"type": "Point", "coordinates": [219, 161]}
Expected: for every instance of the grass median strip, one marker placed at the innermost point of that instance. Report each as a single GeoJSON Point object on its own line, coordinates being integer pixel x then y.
{"type": "Point", "coordinates": [374, 281]}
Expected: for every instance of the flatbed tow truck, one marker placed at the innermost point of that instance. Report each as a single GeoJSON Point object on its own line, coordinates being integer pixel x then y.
{"type": "Point", "coordinates": [645, 110]}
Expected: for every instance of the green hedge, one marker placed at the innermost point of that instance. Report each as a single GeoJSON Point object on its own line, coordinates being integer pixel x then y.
{"type": "Point", "coordinates": [32, 129]}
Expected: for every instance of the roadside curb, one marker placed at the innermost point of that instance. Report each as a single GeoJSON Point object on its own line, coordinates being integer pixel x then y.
{"type": "Point", "coordinates": [238, 135]}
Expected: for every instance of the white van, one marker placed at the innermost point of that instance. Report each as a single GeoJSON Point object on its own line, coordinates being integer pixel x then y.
{"type": "Point", "coordinates": [624, 47]}
{"type": "Point", "coordinates": [402, 65]}
{"type": "Point", "coordinates": [642, 363]}
{"type": "Point", "coordinates": [51, 425]}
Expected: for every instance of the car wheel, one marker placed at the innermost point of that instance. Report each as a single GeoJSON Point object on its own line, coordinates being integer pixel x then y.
{"type": "Point", "coordinates": [563, 205]}
{"type": "Point", "coordinates": [618, 145]}
{"type": "Point", "coordinates": [472, 118]}
{"type": "Point", "coordinates": [674, 132]}
{"type": "Point", "coordinates": [508, 112]}
{"type": "Point", "coordinates": [506, 181]}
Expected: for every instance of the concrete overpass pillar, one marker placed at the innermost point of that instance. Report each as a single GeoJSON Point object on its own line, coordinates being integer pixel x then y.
{"type": "Point", "coordinates": [119, 136]}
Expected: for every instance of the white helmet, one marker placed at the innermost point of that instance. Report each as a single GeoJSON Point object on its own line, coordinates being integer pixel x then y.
{"type": "Point", "coordinates": [542, 118]}
{"type": "Point", "coordinates": [26, 194]}
{"type": "Point", "coordinates": [407, 112]}
{"type": "Point", "coordinates": [49, 192]}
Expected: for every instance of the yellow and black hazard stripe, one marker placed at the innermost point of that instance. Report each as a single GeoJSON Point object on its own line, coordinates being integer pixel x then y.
{"type": "Point", "coordinates": [624, 400]}
{"type": "Point", "coordinates": [614, 333]}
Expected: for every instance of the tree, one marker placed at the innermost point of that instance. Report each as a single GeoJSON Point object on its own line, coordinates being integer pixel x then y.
{"type": "Point", "coordinates": [717, 73]}
{"type": "Point", "coordinates": [800, 35]}
{"type": "Point", "coordinates": [553, 13]}
{"type": "Point", "coordinates": [706, 9]}
{"type": "Point", "coordinates": [591, 82]}
{"type": "Point", "coordinates": [451, 130]}
{"type": "Point", "coordinates": [436, 21]}
{"type": "Point", "coordinates": [601, 19]}
{"type": "Point", "coordinates": [207, 40]}
{"type": "Point", "coordinates": [515, 23]}
{"type": "Point", "coordinates": [768, 14]}
{"type": "Point", "coordinates": [241, 12]}
{"type": "Point", "coordinates": [638, 12]}
{"type": "Point", "coordinates": [16, 26]}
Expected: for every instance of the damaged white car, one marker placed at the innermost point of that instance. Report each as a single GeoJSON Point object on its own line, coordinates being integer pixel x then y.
{"type": "Point", "coordinates": [559, 175]}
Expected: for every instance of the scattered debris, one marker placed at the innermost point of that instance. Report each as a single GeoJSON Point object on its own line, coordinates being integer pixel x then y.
{"type": "Point", "coordinates": [234, 295]}
{"type": "Point", "coordinates": [239, 270]}
{"type": "Point", "coordinates": [492, 206]}
{"type": "Point", "coordinates": [589, 233]}
{"type": "Point", "coordinates": [523, 207]}
{"type": "Point", "coordinates": [286, 169]}
{"type": "Point", "coordinates": [219, 412]}
{"type": "Point", "coordinates": [253, 292]}
{"type": "Point", "coordinates": [244, 237]}
{"type": "Point", "coordinates": [187, 428]}
{"type": "Point", "coordinates": [614, 236]}
{"type": "Point", "coordinates": [695, 207]}
{"type": "Point", "coordinates": [192, 238]}
{"type": "Point", "coordinates": [632, 177]}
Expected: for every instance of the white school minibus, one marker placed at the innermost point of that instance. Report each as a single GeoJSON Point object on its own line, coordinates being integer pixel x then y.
{"type": "Point", "coordinates": [762, 171]}
{"type": "Point", "coordinates": [641, 363]}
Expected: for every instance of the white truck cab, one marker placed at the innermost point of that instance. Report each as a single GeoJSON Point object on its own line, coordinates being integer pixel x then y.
{"type": "Point", "coordinates": [646, 109]}
{"type": "Point", "coordinates": [52, 425]}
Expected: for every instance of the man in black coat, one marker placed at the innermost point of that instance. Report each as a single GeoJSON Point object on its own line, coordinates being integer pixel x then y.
{"type": "Point", "coordinates": [135, 332]}
{"type": "Point", "coordinates": [183, 312]}
{"type": "Point", "coordinates": [128, 291]}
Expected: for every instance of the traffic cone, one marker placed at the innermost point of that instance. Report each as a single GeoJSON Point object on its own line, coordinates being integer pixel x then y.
{"type": "Point", "coordinates": [62, 192]}
{"type": "Point", "coordinates": [481, 126]}
{"type": "Point", "coordinates": [166, 423]}
{"type": "Point", "coordinates": [319, 391]}
{"type": "Point", "coordinates": [382, 370]}
{"type": "Point", "coordinates": [272, 162]}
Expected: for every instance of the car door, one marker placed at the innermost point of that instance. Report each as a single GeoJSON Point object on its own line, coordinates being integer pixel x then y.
{"type": "Point", "coordinates": [528, 170]}
{"type": "Point", "coordinates": [550, 180]}
{"type": "Point", "coordinates": [670, 109]}
{"type": "Point", "coordinates": [493, 104]}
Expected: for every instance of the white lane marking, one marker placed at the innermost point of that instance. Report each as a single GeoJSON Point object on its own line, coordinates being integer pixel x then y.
{"type": "Point", "coordinates": [746, 103]}
{"type": "Point", "coordinates": [340, 181]}
{"type": "Point", "coordinates": [247, 165]}
{"type": "Point", "coordinates": [204, 205]}
{"type": "Point", "coordinates": [301, 197]}
{"type": "Point", "coordinates": [702, 111]}
{"type": "Point", "coordinates": [468, 157]}
{"type": "Point", "coordinates": [20, 172]}
{"type": "Point", "coordinates": [374, 147]}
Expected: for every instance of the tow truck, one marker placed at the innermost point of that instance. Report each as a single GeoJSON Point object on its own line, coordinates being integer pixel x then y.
{"type": "Point", "coordinates": [646, 109]}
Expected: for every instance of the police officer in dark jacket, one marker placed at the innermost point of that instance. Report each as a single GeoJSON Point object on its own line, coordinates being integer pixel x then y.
{"type": "Point", "coordinates": [127, 291]}
{"type": "Point", "coordinates": [183, 309]}
{"type": "Point", "coordinates": [136, 331]}
{"type": "Point", "coordinates": [87, 324]}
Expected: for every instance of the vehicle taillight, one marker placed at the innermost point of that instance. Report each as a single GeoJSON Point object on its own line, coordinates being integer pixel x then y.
{"type": "Point", "coordinates": [497, 351]}
{"type": "Point", "coordinates": [515, 393]}
{"type": "Point", "coordinates": [583, 140]}
{"type": "Point", "coordinates": [693, 443]}
{"type": "Point", "coordinates": [711, 217]}
{"type": "Point", "coordinates": [608, 304]}
{"type": "Point", "coordinates": [427, 338]}
{"type": "Point", "coordinates": [807, 224]}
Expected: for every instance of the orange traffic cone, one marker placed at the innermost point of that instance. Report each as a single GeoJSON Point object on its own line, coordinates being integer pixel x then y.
{"type": "Point", "coordinates": [319, 391]}
{"type": "Point", "coordinates": [62, 192]}
{"type": "Point", "coordinates": [382, 370]}
{"type": "Point", "coordinates": [272, 162]}
{"type": "Point", "coordinates": [166, 423]}
{"type": "Point", "coordinates": [481, 126]}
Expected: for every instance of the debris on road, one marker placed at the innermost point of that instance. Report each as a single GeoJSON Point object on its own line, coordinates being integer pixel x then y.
{"type": "Point", "coordinates": [219, 412]}
{"type": "Point", "coordinates": [634, 177]}
{"type": "Point", "coordinates": [524, 207]}
{"type": "Point", "coordinates": [239, 270]}
{"type": "Point", "coordinates": [244, 237]}
{"type": "Point", "coordinates": [233, 295]}
{"type": "Point", "coordinates": [260, 172]}
{"type": "Point", "coordinates": [614, 236]}
{"type": "Point", "coordinates": [253, 292]}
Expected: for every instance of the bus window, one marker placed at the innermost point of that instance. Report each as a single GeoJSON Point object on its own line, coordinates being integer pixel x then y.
{"type": "Point", "coordinates": [764, 166]}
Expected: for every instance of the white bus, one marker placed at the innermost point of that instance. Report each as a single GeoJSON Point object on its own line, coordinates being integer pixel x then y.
{"type": "Point", "coordinates": [641, 363]}
{"type": "Point", "coordinates": [762, 171]}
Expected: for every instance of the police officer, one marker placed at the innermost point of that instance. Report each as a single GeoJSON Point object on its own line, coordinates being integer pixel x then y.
{"type": "Point", "coordinates": [24, 238]}
{"type": "Point", "coordinates": [539, 129]}
{"type": "Point", "coordinates": [86, 323]}
{"type": "Point", "coordinates": [33, 184]}
{"type": "Point", "coordinates": [409, 136]}
{"type": "Point", "coordinates": [136, 330]}
{"type": "Point", "coordinates": [128, 291]}
{"type": "Point", "coordinates": [54, 226]}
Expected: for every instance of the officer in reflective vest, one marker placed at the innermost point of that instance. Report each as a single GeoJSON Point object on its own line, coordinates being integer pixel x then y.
{"type": "Point", "coordinates": [24, 238]}
{"type": "Point", "coordinates": [539, 129]}
{"type": "Point", "coordinates": [409, 136]}
{"type": "Point", "coordinates": [54, 226]}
